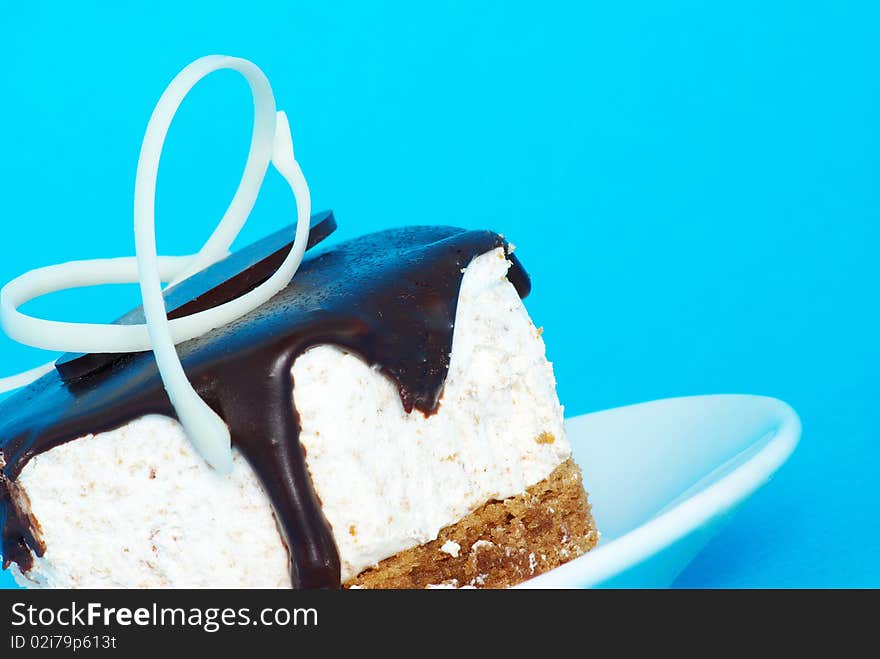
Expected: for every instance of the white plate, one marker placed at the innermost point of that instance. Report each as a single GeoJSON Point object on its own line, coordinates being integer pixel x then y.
{"type": "Point", "coordinates": [664, 476]}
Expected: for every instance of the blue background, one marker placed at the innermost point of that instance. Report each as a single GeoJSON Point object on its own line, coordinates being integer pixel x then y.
{"type": "Point", "coordinates": [694, 189]}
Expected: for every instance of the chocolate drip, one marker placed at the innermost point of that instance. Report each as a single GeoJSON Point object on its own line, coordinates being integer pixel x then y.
{"type": "Point", "coordinates": [389, 297]}
{"type": "Point", "coordinates": [20, 531]}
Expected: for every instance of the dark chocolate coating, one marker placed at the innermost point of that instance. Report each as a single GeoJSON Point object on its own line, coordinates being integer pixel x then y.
{"type": "Point", "coordinates": [233, 277]}
{"type": "Point", "coordinates": [389, 297]}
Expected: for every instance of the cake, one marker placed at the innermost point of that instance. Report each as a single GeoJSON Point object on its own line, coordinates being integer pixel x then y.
{"type": "Point", "coordinates": [394, 424]}
{"type": "Point", "coordinates": [395, 421]}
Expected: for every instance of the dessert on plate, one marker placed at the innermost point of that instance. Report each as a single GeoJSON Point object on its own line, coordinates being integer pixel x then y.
{"type": "Point", "coordinates": [393, 419]}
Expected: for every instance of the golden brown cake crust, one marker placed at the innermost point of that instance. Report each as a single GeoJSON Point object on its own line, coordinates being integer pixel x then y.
{"type": "Point", "coordinates": [501, 543]}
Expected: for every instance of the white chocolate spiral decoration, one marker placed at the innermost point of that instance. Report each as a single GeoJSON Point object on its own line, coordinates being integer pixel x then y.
{"type": "Point", "coordinates": [270, 142]}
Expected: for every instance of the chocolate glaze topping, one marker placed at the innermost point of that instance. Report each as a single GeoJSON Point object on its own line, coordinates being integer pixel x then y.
{"type": "Point", "coordinates": [236, 275]}
{"type": "Point", "coordinates": [389, 297]}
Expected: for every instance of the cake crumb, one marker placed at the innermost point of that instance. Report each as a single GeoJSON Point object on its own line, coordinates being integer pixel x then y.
{"type": "Point", "coordinates": [545, 438]}
{"type": "Point", "coordinates": [451, 548]}
{"type": "Point", "coordinates": [479, 544]}
{"type": "Point", "coordinates": [452, 583]}
{"type": "Point", "coordinates": [352, 531]}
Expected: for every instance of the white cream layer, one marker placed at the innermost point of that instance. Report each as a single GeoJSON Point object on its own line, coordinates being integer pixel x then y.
{"type": "Point", "coordinates": [136, 507]}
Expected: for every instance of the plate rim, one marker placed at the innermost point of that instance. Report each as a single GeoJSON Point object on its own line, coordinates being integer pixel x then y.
{"type": "Point", "coordinates": [688, 515]}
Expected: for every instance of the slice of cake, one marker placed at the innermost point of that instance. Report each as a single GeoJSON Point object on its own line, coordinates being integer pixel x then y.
{"type": "Point", "coordinates": [394, 420]}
